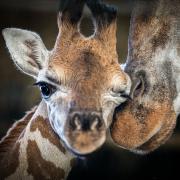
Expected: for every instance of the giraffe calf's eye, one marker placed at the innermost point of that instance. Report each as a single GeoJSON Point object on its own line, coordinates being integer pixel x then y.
{"type": "Point", "coordinates": [120, 93]}
{"type": "Point", "coordinates": [46, 89]}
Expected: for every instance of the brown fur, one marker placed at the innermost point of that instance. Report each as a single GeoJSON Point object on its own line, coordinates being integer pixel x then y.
{"type": "Point", "coordinates": [8, 165]}
{"type": "Point", "coordinates": [158, 34]}
{"type": "Point", "coordinates": [162, 136]}
{"type": "Point", "coordinates": [14, 133]}
{"type": "Point", "coordinates": [46, 131]}
{"type": "Point", "coordinates": [9, 147]}
{"type": "Point", "coordinates": [40, 168]}
{"type": "Point", "coordinates": [131, 130]}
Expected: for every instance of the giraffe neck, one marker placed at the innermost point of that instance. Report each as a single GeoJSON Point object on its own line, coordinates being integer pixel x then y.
{"type": "Point", "coordinates": [154, 28]}
{"type": "Point", "coordinates": [37, 152]}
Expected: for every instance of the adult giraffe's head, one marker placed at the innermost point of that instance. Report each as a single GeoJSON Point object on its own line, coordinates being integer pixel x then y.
{"type": "Point", "coordinates": [148, 120]}
{"type": "Point", "coordinates": [80, 79]}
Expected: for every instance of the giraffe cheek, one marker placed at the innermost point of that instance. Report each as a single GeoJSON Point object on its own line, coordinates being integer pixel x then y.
{"type": "Point", "coordinates": [57, 120]}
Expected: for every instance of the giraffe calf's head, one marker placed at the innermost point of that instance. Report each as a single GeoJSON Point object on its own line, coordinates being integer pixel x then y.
{"type": "Point", "coordinates": [80, 79]}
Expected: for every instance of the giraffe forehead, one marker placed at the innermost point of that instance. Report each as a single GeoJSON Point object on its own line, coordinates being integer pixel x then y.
{"type": "Point", "coordinates": [84, 48]}
{"type": "Point", "coordinates": [84, 66]}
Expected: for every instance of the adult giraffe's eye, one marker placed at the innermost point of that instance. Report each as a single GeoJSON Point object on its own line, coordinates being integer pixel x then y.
{"type": "Point", "coordinates": [46, 89]}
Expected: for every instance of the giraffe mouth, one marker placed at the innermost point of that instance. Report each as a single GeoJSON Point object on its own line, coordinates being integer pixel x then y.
{"type": "Point", "coordinates": [84, 143]}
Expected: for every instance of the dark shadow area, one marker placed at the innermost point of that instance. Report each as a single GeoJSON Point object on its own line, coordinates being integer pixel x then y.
{"type": "Point", "coordinates": [115, 163]}
{"type": "Point", "coordinates": [112, 163]}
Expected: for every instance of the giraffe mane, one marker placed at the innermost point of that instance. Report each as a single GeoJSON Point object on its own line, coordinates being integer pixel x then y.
{"type": "Point", "coordinates": [15, 132]}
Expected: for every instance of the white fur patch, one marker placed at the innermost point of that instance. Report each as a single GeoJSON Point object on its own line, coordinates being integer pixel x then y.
{"type": "Point", "coordinates": [170, 53]}
{"type": "Point", "coordinates": [123, 66]}
{"type": "Point", "coordinates": [176, 74]}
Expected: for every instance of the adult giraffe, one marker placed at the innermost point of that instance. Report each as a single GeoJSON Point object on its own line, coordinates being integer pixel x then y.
{"type": "Point", "coordinates": [81, 83]}
{"type": "Point", "coordinates": [153, 63]}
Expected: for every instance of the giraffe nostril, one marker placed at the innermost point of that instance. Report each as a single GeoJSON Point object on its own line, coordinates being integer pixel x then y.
{"type": "Point", "coordinates": [75, 122]}
{"type": "Point", "coordinates": [85, 121]}
{"type": "Point", "coordinates": [96, 123]}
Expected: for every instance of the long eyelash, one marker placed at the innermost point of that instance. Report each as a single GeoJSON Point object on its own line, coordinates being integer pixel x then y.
{"type": "Point", "coordinates": [126, 96]}
{"type": "Point", "coordinates": [39, 83]}
{"type": "Point", "coordinates": [36, 84]}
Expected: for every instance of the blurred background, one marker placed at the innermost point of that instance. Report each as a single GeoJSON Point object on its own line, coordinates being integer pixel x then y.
{"type": "Point", "coordinates": [17, 95]}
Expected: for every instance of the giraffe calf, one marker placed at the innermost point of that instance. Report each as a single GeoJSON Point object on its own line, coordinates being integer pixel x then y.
{"type": "Point", "coordinates": [81, 83]}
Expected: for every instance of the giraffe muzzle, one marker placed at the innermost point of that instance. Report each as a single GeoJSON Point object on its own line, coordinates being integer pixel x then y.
{"type": "Point", "coordinates": [85, 132]}
{"type": "Point", "coordinates": [86, 121]}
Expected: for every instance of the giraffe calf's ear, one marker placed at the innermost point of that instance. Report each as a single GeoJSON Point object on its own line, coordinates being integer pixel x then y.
{"type": "Point", "coordinates": [27, 50]}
